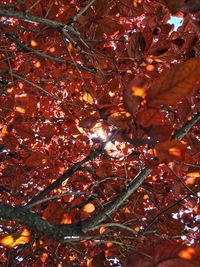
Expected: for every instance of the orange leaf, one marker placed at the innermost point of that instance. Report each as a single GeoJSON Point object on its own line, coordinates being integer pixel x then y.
{"type": "Point", "coordinates": [175, 83]}
{"type": "Point", "coordinates": [187, 253]}
{"type": "Point", "coordinates": [13, 241]}
{"type": "Point", "coordinates": [89, 208]}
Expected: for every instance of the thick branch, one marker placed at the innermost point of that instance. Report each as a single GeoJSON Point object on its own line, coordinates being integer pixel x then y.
{"type": "Point", "coordinates": [65, 233]}
{"type": "Point", "coordinates": [187, 127]}
{"type": "Point", "coordinates": [35, 223]}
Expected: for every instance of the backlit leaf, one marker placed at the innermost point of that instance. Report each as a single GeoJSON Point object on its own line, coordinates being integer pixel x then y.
{"type": "Point", "coordinates": [171, 150]}
{"type": "Point", "coordinates": [12, 241]}
{"type": "Point", "coordinates": [175, 83]}
{"type": "Point", "coordinates": [89, 208]}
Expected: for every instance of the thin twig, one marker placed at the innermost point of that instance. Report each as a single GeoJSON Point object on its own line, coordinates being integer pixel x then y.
{"type": "Point", "coordinates": [43, 55]}
{"type": "Point", "coordinates": [181, 181]}
{"type": "Point", "coordinates": [117, 202]}
{"type": "Point", "coordinates": [35, 85]}
{"type": "Point", "coordinates": [119, 225]}
{"type": "Point", "coordinates": [187, 164]}
{"type": "Point", "coordinates": [82, 11]}
{"type": "Point", "coordinates": [77, 166]}
{"type": "Point", "coordinates": [55, 197]}
{"type": "Point", "coordinates": [164, 211]}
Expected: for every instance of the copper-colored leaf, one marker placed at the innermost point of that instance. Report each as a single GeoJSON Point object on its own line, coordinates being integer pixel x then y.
{"type": "Point", "coordinates": [175, 83]}
{"type": "Point", "coordinates": [171, 150]}
{"type": "Point", "coordinates": [36, 159]}
{"type": "Point", "coordinates": [150, 116]}
{"type": "Point", "coordinates": [24, 131]}
{"type": "Point", "coordinates": [136, 45]}
{"type": "Point", "coordinates": [54, 212]}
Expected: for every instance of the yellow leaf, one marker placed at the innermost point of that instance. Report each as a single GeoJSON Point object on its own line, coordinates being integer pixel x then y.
{"type": "Point", "coordinates": [7, 241]}
{"type": "Point", "coordinates": [88, 98]}
{"type": "Point", "coordinates": [11, 242]}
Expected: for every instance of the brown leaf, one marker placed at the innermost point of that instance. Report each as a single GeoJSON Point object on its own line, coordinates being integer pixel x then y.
{"type": "Point", "coordinates": [36, 159]}
{"type": "Point", "coordinates": [10, 141]}
{"type": "Point", "coordinates": [175, 83]}
{"type": "Point", "coordinates": [24, 131]}
{"type": "Point", "coordinates": [174, 5]}
{"type": "Point", "coordinates": [150, 116]}
{"type": "Point", "coordinates": [159, 48]}
{"type": "Point", "coordinates": [88, 122]}
{"type": "Point", "coordinates": [136, 45]}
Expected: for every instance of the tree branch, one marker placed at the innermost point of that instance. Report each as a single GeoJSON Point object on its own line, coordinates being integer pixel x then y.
{"type": "Point", "coordinates": [65, 233]}
{"type": "Point", "coordinates": [187, 127]}
{"type": "Point", "coordinates": [77, 166]}
{"type": "Point", "coordinates": [116, 203]}
{"type": "Point", "coordinates": [82, 11]}
{"type": "Point", "coordinates": [27, 17]}
{"type": "Point", "coordinates": [45, 56]}
{"type": "Point", "coordinates": [34, 222]}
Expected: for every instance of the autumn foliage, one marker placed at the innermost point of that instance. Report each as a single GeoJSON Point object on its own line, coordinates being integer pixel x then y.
{"type": "Point", "coordinates": [99, 119]}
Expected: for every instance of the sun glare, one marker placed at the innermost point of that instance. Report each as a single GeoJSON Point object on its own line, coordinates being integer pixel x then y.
{"type": "Point", "coordinates": [98, 132]}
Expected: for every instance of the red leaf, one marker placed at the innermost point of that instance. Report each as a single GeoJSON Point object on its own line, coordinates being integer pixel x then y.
{"type": "Point", "coordinates": [109, 26]}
